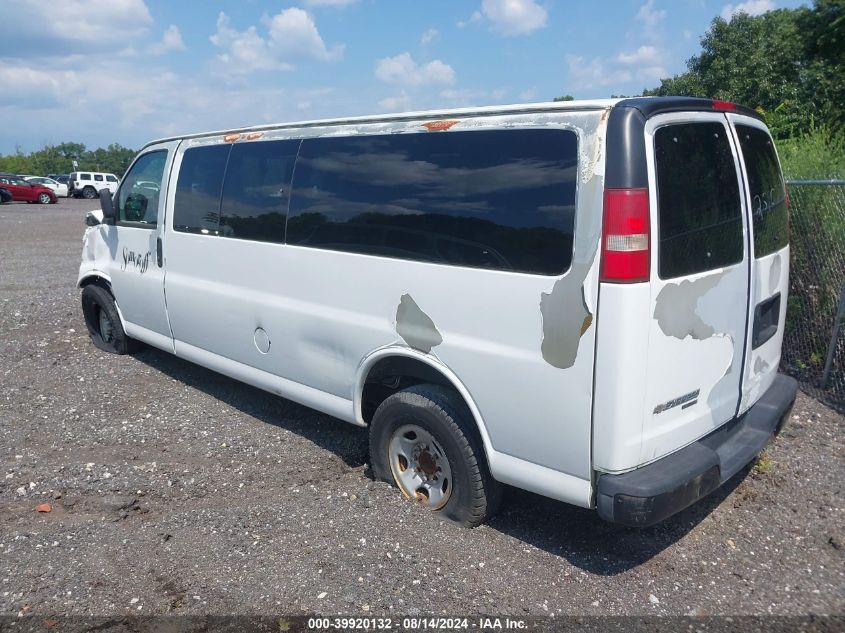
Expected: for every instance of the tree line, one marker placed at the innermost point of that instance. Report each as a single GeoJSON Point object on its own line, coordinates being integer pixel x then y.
{"type": "Point", "coordinates": [58, 159]}
{"type": "Point", "coordinates": [787, 63]}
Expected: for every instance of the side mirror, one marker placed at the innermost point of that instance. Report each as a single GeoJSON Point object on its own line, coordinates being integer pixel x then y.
{"type": "Point", "coordinates": [107, 206]}
{"type": "Point", "coordinates": [93, 218]}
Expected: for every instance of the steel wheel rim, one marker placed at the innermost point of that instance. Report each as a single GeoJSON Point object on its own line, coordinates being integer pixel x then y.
{"type": "Point", "coordinates": [106, 327]}
{"type": "Point", "coordinates": [420, 466]}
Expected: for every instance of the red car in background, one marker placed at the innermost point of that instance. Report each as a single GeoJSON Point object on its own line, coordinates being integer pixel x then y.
{"type": "Point", "coordinates": [24, 191]}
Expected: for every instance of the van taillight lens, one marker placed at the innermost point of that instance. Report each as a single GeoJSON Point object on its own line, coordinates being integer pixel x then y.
{"type": "Point", "coordinates": [625, 237]}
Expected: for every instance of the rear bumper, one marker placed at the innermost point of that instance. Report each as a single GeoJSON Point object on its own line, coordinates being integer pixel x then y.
{"type": "Point", "coordinates": [652, 493]}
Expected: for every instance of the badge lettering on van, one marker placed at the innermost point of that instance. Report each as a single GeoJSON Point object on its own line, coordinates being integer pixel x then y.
{"type": "Point", "coordinates": [139, 262]}
{"type": "Point", "coordinates": [688, 399]}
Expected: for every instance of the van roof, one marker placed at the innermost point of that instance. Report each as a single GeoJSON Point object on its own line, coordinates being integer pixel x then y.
{"type": "Point", "coordinates": [648, 106]}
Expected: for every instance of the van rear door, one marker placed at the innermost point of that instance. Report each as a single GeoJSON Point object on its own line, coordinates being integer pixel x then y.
{"type": "Point", "coordinates": [767, 203]}
{"type": "Point", "coordinates": [699, 280]}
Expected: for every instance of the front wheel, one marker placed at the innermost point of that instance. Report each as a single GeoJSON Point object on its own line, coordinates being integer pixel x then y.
{"type": "Point", "coordinates": [89, 193]}
{"type": "Point", "coordinates": [103, 322]}
{"type": "Point", "coordinates": [423, 440]}
{"type": "Point", "coordinates": [44, 198]}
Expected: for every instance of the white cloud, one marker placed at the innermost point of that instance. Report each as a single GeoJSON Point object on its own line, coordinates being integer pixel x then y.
{"type": "Point", "coordinates": [649, 16]}
{"type": "Point", "coordinates": [751, 7]}
{"type": "Point", "coordinates": [585, 74]}
{"type": "Point", "coordinates": [170, 41]}
{"type": "Point", "coordinates": [292, 36]}
{"type": "Point", "coordinates": [402, 70]}
{"type": "Point", "coordinates": [247, 51]}
{"type": "Point", "coordinates": [42, 102]}
{"type": "Point", "coordinates": [511, 17]}
{"type": "Point", "coordinates": [428, 36]}
{"type": "Point", "coordinates": [644, 54]}
{"type": "Point", "coordinates": [616, 74]}
{"type": "Point", "coordinates": [71, 25]}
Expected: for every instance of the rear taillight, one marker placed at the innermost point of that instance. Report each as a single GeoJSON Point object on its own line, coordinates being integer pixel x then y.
{"type": "Point", "coordinates": [625, 254]}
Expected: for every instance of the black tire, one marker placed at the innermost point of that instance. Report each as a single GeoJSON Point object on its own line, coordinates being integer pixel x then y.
{"type": "Point", "coordinates": [442, 413]}
{"type": "Point", "coordinates": [97, 301]}
{"type": "Point", "coordinates": [89, 193]}
{"type": "Point", "coordinates": [44, 198]}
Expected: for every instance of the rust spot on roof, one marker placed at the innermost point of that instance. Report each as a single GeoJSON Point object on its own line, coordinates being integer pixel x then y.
{"type": "Point", "coordinates": [253, 135]}
{"type": "Point", "coordinates": [440, 126]}
{"type": "Point", "coordinates": [231, 138]}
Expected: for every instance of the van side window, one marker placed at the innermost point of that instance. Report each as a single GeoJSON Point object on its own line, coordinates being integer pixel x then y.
{"type": "Point", "coordinates": [255, 192]}
{"type": "Point", "coordinates": [197, 205]}
{"type": "Point", "coordinates": [698, 203]}
{"type": "Point", "coordinates": [768, 195]}
{"type": "Point", "coordinates": [138, 197]}
{"type": "Point", "coordinates": [496, 199]}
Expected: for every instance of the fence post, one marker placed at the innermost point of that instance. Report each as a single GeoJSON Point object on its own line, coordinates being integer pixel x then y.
{"type": "Point", "coordinates": [837, 324]}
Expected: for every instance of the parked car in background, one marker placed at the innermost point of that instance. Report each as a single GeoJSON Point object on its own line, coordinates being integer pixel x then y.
{"type": "Point", "coordinates": [5, 195]}
{"type": "Point", "coordinates": [23, 191]}
{"type": "Point", "coordinates": [59, 188]}
{"type": "Point", "coordinates": [88, 184]}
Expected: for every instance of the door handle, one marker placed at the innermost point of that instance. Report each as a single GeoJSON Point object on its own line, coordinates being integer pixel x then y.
{"type": "Point", "coordinates": [159, 254]}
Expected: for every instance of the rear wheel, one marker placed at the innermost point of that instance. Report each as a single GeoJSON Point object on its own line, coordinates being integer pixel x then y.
{"type": "Point", "coordinates": [89, 193]}
{"type": "Point", "coordinates": [103, 322]}
{"type": "Point", "coordinates": [422, 439]}
{"type": "Point", "coordinates": [44, 198]}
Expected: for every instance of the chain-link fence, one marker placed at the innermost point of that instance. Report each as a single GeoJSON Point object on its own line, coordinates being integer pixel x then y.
{"type": "Point", "coordinates": [814, 343]}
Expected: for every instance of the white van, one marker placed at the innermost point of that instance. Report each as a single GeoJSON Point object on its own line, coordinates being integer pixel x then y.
{"type": "Point", "coordinates": [88, 184]}
{"type": "Point", "coordinates": [582, 299]}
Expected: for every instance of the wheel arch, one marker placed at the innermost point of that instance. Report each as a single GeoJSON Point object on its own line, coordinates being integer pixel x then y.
{"type": "Point", "coordinates": [97, 278]}
{"type": "Point", "coordinates": [425, 367]}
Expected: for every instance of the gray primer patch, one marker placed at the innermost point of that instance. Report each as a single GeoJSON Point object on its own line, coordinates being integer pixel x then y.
{"type": "Point", "coordinates": [774, 274]}
{"type": "Point", "coordinates": [566, 315]}
{"type": "Point", "coordinates": [675, 309]}
{"type": "Point", "coordinates": [565, 319]}
{"type": "Point", "coordinates": [415, 326]}
{"type": "Point", "coordinates": [760, 365]}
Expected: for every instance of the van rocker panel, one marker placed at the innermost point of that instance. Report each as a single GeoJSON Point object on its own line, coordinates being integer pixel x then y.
{"type": "Point", "coordinates": [650, 494]}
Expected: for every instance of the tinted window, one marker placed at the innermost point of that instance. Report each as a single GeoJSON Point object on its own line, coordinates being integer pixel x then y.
{"type": "Point", "coordinates": [98, 177]}
{"type": "Point", "coordinates": [255, 192]}
{"type": "Point", "coordinates": [700, 221]}
{"type": "Point", "coordinates": [85, 176]}
{"type": "Point", "coordinates": [197, 205]}
{"type": "Point", "coordinates": [111, 179]}
{"type": "Point", "coordinates": [502, 199]}
{"type": "Point", "coordinates": [768, 196]}
{"type": "Point", "coordinates": [138, 198]}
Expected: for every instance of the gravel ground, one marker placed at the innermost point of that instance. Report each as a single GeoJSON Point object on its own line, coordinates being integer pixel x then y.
{"type": "Point", "coordinates": [176, 490]}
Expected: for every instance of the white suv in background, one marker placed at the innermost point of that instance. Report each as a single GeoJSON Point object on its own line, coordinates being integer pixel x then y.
{"type": "Point", "coordinates": [89, 183]}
